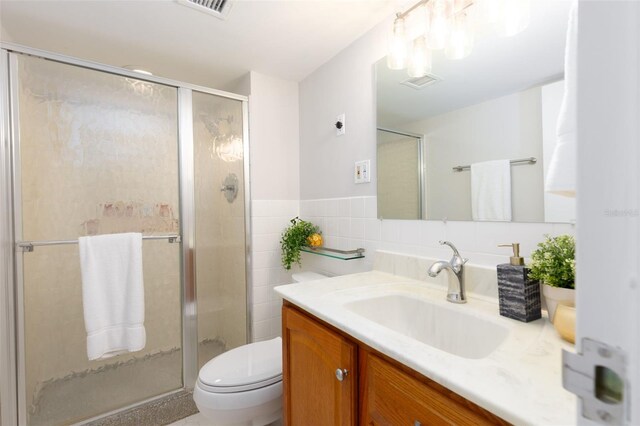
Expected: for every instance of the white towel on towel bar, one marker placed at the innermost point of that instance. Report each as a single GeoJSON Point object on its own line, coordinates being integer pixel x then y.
{"type": "Point", "coordinates": [112, 294]}
{"type": "Point", "coordinates": [491, 190]}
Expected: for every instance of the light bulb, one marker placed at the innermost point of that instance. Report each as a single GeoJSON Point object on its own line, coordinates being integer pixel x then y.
{"type": "Point", "coordinates": [397, 55]}
{"type": "Point", "coordinates": [492, 11]}
{"type": "Point", "coordinates": [415, 24]}
{"type": "Point", "coordinates": [515, 17]}
{"type": "Point", "coordinates": [440, 25]}
{"type": "Point", "coordinates": [461, 39]}
{"type": "Point", "coordinates": [420, 59]}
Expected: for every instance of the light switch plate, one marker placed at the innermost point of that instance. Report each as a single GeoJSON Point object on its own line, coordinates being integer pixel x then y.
{"type": "Point", "coordinates": [362, 171]}
{"type": "Point", "coordinates": [341, 130]}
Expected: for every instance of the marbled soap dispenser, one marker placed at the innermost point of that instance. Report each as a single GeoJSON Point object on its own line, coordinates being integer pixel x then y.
{"type": "Point", "coordinates": [519, 296]}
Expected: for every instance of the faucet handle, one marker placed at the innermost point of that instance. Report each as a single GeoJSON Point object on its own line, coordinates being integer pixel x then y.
{"type": "Point", "coordinates": [450, 244]}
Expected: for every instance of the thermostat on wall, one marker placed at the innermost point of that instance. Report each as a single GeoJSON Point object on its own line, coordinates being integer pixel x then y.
{"type": "Point", "coordinates": [361, 172]}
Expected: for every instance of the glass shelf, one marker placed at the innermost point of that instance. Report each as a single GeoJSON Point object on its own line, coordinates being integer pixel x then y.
{"type": "Point", "coordinates": [336, 254]}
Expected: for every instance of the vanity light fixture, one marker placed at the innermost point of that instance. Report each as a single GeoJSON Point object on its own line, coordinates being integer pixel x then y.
{"type": "Point", "coordinates": [448, 25]}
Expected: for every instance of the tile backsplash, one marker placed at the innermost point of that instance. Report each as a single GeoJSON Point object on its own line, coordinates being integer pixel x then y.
{"type": "Point", "coordinates": [349, 223]}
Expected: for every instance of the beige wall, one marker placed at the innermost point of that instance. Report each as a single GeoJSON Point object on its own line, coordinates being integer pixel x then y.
{"type": "Point", "coordinates": [398, 176]}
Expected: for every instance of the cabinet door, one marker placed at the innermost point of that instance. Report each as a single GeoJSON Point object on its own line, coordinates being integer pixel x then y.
{"type": "Point", "coordinates": [313, 395]}
{"type": "Point", "coordinates": [392, 397]}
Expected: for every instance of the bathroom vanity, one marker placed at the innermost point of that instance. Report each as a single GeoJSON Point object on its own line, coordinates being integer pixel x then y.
{"type": "Point", "coordinates": [380, 349]}
{"type": "Point", "coordinates": [366, 385]}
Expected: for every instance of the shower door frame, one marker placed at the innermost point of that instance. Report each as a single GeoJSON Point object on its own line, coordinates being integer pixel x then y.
{"type": "Point", "coordinates": [12, 351]}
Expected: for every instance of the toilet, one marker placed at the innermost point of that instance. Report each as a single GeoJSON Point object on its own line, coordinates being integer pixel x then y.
{"type": "Point", "coordinates": [243, 386]}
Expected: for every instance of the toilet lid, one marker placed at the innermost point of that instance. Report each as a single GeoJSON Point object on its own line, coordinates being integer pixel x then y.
{"type": "Point", "coordinates": [245, 367]}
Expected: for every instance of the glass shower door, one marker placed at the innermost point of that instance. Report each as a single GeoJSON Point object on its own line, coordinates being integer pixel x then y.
{"type": "Point", "coordinates": [219, 224]}
{"type": "Point", "coordinates": [98, 154]}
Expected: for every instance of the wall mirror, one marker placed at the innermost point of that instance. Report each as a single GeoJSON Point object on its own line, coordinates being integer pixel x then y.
{"type": "Point", "coordinates": [499, 103]}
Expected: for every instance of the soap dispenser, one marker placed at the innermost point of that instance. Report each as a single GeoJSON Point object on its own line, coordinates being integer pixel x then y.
{"type": "Point", "coordinates": [519, 296]}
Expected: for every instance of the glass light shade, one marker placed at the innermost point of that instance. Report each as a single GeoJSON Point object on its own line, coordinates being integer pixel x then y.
{"type": "Point", "coordinates": [228, 149]}
{"type": "Point", "coordinates": [458, 6]}
{"type": "Point", "coordinates": [515, 17]}
{"type": "Point", "coordinates": [416, 22]}
{"type": "Point", "coordinates": [397, 56]}
{"type": "Point", "coordinates": [461, 39]}
{"type": "Point", "coordinates": [492, 11]}
{"type": "Point", "coordinates": [440, 24]}
{"type": "Point", "coordinates": [420, 62]}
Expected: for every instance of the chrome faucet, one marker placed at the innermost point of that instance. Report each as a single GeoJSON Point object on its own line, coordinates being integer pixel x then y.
{"type": "Point", "coordinates": [455, 265]}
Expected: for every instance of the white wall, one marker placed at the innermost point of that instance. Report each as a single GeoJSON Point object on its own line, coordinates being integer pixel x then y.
{"type": "Point", "coordinates": [275, 188]}
{"type": "Point", "coordinates": [273, 122]}
{"type": "Point", "coordinates": [346, 84]}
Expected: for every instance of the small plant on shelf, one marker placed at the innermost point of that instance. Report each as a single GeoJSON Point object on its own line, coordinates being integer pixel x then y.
{"type": "Point", "coordinates": [298, 235]}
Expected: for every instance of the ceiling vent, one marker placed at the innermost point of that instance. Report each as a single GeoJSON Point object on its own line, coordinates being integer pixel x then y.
{"type": "Point", "coordinates": [218, 8]}
{"type": "Point", "coordinates": [421, 82]}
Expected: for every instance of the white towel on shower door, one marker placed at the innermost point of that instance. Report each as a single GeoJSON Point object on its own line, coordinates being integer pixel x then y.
{"type": "Point", "coordinates": [491, 190]}
{"type": "Point", "coordinates": [112, 294]}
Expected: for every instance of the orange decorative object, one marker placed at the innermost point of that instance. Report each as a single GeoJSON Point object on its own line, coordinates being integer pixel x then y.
{"type": "Point", "coordinates": [315, 240]}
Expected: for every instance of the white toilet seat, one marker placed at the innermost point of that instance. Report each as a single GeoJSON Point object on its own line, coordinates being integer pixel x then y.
{"type": "Point", "coordinates": [239, 388]}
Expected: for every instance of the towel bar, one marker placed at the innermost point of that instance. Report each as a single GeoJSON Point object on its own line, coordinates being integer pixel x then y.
{"type": "Point", "coordinates": [28, 246]}
{"type": "Point", "coordinates": [530, 160]}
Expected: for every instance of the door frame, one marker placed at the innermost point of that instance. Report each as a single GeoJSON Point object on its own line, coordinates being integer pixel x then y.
{"type": "Point", "coordinates": [608, 187]}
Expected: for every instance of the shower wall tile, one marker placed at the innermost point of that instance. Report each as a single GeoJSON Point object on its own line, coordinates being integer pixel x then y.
{"type": "Point", "coordinates": [268, 219]}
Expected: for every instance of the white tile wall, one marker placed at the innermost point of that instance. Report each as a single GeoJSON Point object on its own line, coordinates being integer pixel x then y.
{"type": "Point", "coordinates": [351, 222]}
{"type": "Point", "coordinates": [268, 219]}
{"type": "Point", "coordinates": [348, 223]}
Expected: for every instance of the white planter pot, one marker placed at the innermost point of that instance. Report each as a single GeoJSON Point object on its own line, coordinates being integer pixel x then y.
{"type": "Point", "coordinates": [555, 296]}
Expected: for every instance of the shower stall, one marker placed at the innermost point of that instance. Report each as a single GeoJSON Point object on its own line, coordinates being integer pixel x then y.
{"type": "Point", "coordinates": [88, 149]}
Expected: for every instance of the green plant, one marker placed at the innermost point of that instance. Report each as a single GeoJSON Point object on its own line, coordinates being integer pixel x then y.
{"type": "Point", "coordinates": [554, 261]}
{"type": "Point", "coordinates": [294, 238]}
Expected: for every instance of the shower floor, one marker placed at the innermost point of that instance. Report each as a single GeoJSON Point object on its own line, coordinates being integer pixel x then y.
{"type": "Point", "coordinates": [82, 395]}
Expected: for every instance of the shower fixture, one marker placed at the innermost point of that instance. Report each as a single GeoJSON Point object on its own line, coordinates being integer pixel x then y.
{"type": "Point", "coordinates": [230, 187]}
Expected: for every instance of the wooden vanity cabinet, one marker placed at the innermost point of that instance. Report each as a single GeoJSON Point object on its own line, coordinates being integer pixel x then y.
{"type": "Point", "coordinates": [313, 394]}
{"type": "Point", "coordinates": [376, 391]}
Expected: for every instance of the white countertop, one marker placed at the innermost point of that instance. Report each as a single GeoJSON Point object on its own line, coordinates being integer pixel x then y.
{"type": "Point", "coordinates": [520, 381]}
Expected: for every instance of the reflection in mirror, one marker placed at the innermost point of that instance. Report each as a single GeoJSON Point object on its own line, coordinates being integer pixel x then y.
{"type": "Point", "coordinates": [447, 142]}
{"type": "Point", "coordinates": [400, 165]}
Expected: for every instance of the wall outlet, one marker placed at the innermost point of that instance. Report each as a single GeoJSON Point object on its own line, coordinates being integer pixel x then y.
{"type": "Point", "coordinates": [361, 172]}
{"type": "Point", "coordinates": [340, 127]}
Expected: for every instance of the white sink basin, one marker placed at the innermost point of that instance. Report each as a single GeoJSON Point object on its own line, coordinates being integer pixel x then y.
{"type": "Point", "coordinates": [450, 330]}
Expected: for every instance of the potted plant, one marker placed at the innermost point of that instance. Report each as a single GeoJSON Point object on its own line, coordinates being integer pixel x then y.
{"type": "Point", "coordinates": [298, 235]}
{"type": "Point", "coordinates": [553, 263]}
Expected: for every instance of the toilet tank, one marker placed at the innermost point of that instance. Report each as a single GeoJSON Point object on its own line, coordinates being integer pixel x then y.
{"type": "Point", "coordinates": [307, 276]}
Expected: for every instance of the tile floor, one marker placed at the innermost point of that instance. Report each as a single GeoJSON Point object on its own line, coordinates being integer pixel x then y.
{"type": "Point", "coordinates": [195, 420]}
{"type": "Point", "coordinates": [199, 420]}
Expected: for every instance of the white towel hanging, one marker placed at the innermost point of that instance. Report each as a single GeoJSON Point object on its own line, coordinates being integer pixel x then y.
{"type": "Point", "coordinates": [112, 294]}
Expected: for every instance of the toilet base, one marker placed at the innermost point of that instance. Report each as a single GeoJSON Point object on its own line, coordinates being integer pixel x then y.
{"type": "Point", "coordinates": [258, 407]}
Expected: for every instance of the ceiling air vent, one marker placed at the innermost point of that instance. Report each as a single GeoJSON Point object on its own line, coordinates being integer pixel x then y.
{"type": "Point", "coordinates": [218, 8]}
{"type": "Point", "coordinates": [421, 82]}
